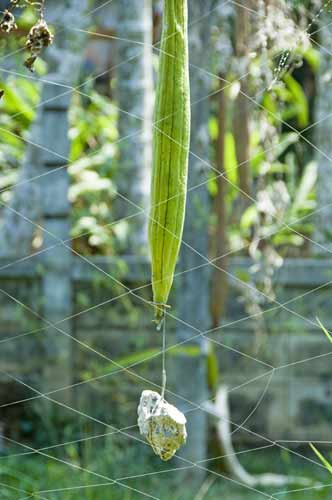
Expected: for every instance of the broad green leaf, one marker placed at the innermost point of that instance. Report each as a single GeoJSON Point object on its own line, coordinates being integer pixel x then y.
{"type": "Point", "coordinates": [138, 357]}
{"type": "Point", "coordinates": [14, 103]}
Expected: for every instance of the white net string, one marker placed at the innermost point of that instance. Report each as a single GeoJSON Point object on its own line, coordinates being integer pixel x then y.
{"type": "Point", "coordinates": [287, 365]}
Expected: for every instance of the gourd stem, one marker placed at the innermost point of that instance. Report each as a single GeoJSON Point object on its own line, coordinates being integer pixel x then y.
{"type": "Point", "coordinates": [164, 374]}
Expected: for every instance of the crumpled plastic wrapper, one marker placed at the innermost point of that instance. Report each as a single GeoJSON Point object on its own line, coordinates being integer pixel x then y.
{"type": "Point", "coordinates": [162, 425]}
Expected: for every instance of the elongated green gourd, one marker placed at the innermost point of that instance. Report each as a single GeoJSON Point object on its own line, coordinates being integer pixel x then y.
{"type": "Point", "coordinates": [170, 151]}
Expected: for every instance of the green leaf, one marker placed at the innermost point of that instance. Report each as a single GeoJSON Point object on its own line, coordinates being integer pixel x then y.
{"type": "Point", "coordinates": [287, 140]}
{"type": "Point", "coordinates": [230, 158]}
{"type": "Point", "coordinates": [212, 186]}
{"type": "Point", "coordinates": [283, 238]}
{"type": "Point", "coordinates": [213, 128]}
{"type": "Point", "coordinates": [300, 100]}
{"type": "Point", "coordinates": [327, 333]}
{"type": "Point", "coordinates": [249, 217]}
{"type": "Point", "coordinates": [138, 357]}
{"type": "Point", "coordinates": [307, 184]}
{"type": "Point", "coordinates": [321, 458]}
{"type": "Point", "coordinates": [312, 57]}
{"type": "Point", "coordinates": [212, 368]}
{"type": "Point", "coordinates": [14, 103]}
{"type": "Point", "coordinates": [269, 103]}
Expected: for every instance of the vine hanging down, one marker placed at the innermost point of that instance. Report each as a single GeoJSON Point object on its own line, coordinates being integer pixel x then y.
{"type": "Point", "coordinates": [160, 423]}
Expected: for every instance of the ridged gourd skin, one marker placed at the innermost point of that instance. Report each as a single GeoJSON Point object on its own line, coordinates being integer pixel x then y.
{"type": "Point", "coordinates": [171, 141]}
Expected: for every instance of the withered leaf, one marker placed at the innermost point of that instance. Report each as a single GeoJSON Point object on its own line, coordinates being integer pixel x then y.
{"type": "Point", "coordinates": [30, 62]}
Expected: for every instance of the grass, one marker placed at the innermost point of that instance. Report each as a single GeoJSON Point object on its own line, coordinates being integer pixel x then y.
{"type": "Point", "coordinates": [27, 475]}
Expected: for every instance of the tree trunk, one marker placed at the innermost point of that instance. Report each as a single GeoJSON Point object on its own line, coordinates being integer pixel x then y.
{"type": "Point", "coordinates": [323, 227]}
{"type": "Point", "coordinates": [192, 295]}
{"type": "Point", "coordinates": [241, 106]}
{"type": "Point", "coordinates": [219, 248]}
{"type": "Point", "coordinates": [135, 95]}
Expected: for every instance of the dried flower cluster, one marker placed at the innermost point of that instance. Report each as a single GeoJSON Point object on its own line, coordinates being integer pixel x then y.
{"type": "Point", "coordinates": [39, 35]}
{"type": "Point", "coordinates": [8, 22]}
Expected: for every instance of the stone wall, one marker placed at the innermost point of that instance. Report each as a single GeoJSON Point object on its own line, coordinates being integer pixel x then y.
{"type": "Point", "coordinates": [298, 400]}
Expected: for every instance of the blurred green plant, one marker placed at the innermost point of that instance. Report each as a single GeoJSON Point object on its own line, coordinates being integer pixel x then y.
{"type": "Point", "coordinates": [111, 457]}
{"type": "Point", "coordinates": [16, 115]}
{"type": "Point", "coordinates": [93, 133]}
{"type": "Point", "coordinates": [321, 457]}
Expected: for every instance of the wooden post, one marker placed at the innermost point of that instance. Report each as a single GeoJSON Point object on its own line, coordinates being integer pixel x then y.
{"type": "Point", "coordinates": [135, 97]}
{"type": "Point", "coordinates": [241, 108]}
{"type": "Point", "coordinates": [219, 284]}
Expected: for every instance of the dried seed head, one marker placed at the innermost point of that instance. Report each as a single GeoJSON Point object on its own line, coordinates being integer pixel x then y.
{"type": "Point", "coordinates": [39, 37]}
{"type": "Point", "coordinates": [25, 3]}
{"type": "Point", "coordinates": [7, 23]}
{"type": "Point", "coordinates": [29, 63]}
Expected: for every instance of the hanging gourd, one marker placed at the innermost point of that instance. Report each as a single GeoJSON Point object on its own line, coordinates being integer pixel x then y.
{"type": "Point", "coordinates": [170, 152]}
{"type": "Point", "coordinates": [163, 425]}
